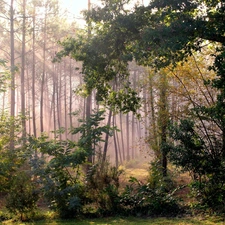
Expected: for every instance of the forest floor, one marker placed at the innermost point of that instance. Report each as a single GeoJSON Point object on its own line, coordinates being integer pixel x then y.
{"type": "Point", "coordinates": [130, 221]}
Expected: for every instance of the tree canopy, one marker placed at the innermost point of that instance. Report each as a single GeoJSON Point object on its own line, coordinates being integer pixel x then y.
{"type": "Point", "coordinates": [156, 35]}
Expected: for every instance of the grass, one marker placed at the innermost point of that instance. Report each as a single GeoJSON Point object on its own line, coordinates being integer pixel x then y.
{"type": "Point", "coordinates": [131, 221]}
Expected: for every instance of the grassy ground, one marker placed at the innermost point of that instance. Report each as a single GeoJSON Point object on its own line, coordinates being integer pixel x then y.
{"type": "Point", "coordinates": [131, 221]}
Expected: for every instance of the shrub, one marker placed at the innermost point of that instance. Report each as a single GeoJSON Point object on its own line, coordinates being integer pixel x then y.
{"type": "Point", "coordinates": [23, 195]}
{"type": "Point", "coordinates": [204, 159]}
{"type": "Point", "coordinates": [143, 200]}
{"type": "Point", "coordinates": [102, 185]}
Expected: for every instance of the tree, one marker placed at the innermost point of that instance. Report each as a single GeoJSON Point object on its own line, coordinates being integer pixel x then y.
{"type": "Point", "coordinates": [13, 69]}
{"type": "Point", "coordinates": [23, 55]}
{"type": "Point", "coordinates": [158, 35]}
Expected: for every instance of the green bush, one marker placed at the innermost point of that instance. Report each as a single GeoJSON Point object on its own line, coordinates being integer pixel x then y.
{"type": "Point", "coordinates": [102, 186]}
{"type": "Point", "coordinates": [23, 195]}
{"type": "Point", "coordinates": [144, 200]}
{"type": "Point", "coordinates": [61, 182]}
{"type": "Point", "coordinates": [206, 163]}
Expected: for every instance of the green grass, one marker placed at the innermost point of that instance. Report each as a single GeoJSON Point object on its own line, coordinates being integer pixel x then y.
{"type": "Point", "coordinates": [130, 221]}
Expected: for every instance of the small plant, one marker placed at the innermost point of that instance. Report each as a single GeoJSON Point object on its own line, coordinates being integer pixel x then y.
{"type": "Point", "coordinates": [153, 198]}
{"type": "Point", "coordinates": [144, 201]}
{"type": "Point", "coordinates": [23, 195]}
{"type": "Point", "coordinates": [103, 187]}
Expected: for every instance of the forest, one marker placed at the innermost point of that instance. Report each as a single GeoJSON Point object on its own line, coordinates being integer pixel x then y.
{"type": "Point", "coordinates": [140, 85]}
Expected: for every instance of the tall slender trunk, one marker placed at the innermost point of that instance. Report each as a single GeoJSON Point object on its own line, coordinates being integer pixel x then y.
{"type": "Point", "coordinates": [43, 77]}
{"type": "Point", "coordinates": [89, 98]}
{"type": "Point", "coordinates": [163, 121]}
{"type": "Point", "coordinates": [128, 136]}
{"type": "Point", "coordinates": [12, 64]}
{"type": "Point", "coordinates": [22, 96]}
{"type": "Point", "coordinates": [65, 102]}
{"type": "Point", "coordinates": [33, 76]}
{"type": "Point", "coordinates": [122, 136]}
{"type": "Point", "coordinates": [70, 99]}
{"type": "Point", "coordinates": [115, 144]}
{"type": "Point", "coordinates": [53, 105]}
{"type": "Point", "coordinates": [155, 142]}
{"type": "Point", "coordinates": [133, 119]}
{"type": "Point", "coordinates": [106, 138]}
{"type": "Point", "coordinates": [118, 142]}
{"type": "Point", "coordinates": [58, 96]}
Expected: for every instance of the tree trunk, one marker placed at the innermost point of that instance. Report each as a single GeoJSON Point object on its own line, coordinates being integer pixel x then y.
{"type": "Point", "coordinates": [106, 138]}
{"type": "Point", "coordinates": [33, 76]}
{"type": "Point", "coordinates": [163, 121]}
{"type": "Point", "coordinates": [22, 92]}
{"type": "Point", "coordinates": [115, 144]}
{"type": "Point", "coordinates": [65, 102]}
{"type": "Point", "coordinates": [128, 136]}
{"type": "Point", "coordinates": [70, 99]}
{"type": "Point", "coordinates": [43, 77]}
{"type": "Point", "coordinates": [122, 136]}
{"type": "Point", "coordinates": [12, 64]}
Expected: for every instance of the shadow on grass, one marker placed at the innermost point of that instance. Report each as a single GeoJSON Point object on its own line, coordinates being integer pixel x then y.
{"type": "Point", "coordinates": [130, 221]}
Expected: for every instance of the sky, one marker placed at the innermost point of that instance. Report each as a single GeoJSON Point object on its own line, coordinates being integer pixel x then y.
{"type": "Point", "coordinates": [75, 6]}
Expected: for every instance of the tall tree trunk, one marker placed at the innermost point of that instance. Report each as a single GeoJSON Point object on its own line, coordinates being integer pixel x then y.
{"type": "Point", "coordinates": [54, 101]}
{"type": "Point", "coordinates": [22, 96]}
{"type": "Point", "coordinates": [106, 138]}
{"type": "Point", "coordinates": [128, 136]}
{"type": "Point", "coordinates": [58, 98]}
{"type": "Point", "coordinates": [122, 136]}
{"type": "Point", "coordinates": [133, 120]}
{"type": "Point", "coordinates": [118, 143]}
{"type": "Point", "coordinates": [154, 141]}
{"type": "Point", "coordinates": [115, 144]}
{"type": "Point", "coordinates": [12, 66]}
{"type": "Point", "coordinates": [163, 121]}
{"type": "Point", "coordinates": [146, 133]}
{"type": "Point", "coordinates": [43, 77]}
{"type": "Point", "coordinates": [65, 102]}
{"type": "Point", "coordinates": [33, 75]}
{"type": "Point", "coordinates": [70, 99]}
{"type": "Point", "coordinates": [89, 98]}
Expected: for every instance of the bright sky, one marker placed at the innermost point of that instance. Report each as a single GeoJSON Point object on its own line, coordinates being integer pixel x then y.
{"type": "Point", "coordinates": [75, 6]}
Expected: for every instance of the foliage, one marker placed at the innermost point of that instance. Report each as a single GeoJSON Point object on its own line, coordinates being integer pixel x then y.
{"type": "Point", "coordinates": [10, 161]}
{"type": "Point", "coordinates": [4, 76]}
{"type": "Point", "coordinates": [62, 176]}
{"type": "Point", "coordinates": [23, 195]}
{"type": "Point", "coordinates": [160, 34]}
{"type": "Point", "coordinates": [157, 197]}
{"type": "Point", "coordinates": [91, 132]}
{"type": "Point", "coordinates": [205, 162]}
{"type": "Point", "coordinates": [142, 200]}
{"type": "Point", "coordinates": [102, 186]}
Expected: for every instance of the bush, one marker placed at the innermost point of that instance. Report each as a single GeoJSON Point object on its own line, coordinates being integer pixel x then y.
{"type": "Point", "coordinates": [102, 185]}
{"type": "Point", "coordinates": [204, 161]}
{"type": "Point", "coordinates": [23, 195]}
{"type": "Point", "coordinates": [142, 200]}
{"type": "Point", "coordinates": [5, 216]}
{"type": "Point", "coordinates": [62, 185]}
